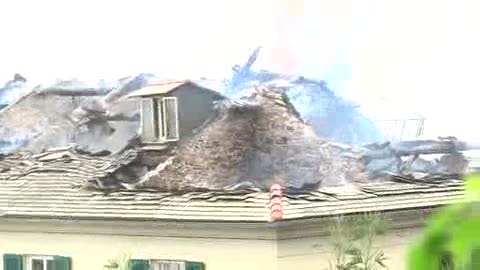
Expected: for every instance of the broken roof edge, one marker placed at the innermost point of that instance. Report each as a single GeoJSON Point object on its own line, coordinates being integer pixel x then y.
{"type": "Point", "coordinates": [292, 215]}
{"type": "Point", "coordinates": [199, 206]}
{"type": "Point", "coordinates": [71, 148]}
{"type": "Point", "coordinates": [34, 91]}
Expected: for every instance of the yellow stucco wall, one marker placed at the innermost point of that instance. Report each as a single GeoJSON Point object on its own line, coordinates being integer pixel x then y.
{"type": "Point", "coordinates": [305, 253]}
{"type": "Point", "coordinates": [91, 246]}
{"type": "Point", "coordinates": [91, 252]}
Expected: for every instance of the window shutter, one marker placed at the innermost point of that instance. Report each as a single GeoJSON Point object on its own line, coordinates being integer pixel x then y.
{"type": "Point", "coordinates": [138, 265]}
{"type": "Point", "coordinates": [12, 262]}
{"type": "Point", "coordinates": [62, 263]}
{"type": "Point", "coordinates": [148, 127]}
{"type": "Point", "coordinates": [195, 266]}
{"type": "Point", "coordinates": [170, 108]}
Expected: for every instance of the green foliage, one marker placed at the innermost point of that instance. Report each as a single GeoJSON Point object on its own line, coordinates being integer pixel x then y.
{"type": "Point", "coordinates": [352, 240]}
{"type": "Point", "coordinates": [119, 263]}
{"type": "Point", "coordinates": [451, 239]}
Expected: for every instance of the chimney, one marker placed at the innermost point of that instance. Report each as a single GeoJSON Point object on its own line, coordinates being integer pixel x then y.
{"type": "Point", "coordinates": [276, 210]}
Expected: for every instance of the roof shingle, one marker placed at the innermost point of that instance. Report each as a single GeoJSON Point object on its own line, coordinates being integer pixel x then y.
{"type": "Point", "coordinates": [53, 185]}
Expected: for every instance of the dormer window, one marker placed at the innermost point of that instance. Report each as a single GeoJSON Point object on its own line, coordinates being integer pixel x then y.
{"type": "Point", "coordinates": [159, 119]}
{"type": "Point", "coordinates": [173, 110]}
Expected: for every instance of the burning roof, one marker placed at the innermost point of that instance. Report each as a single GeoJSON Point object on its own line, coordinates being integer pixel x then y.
{"type": "Point", "coordinates": [274, 129]}
{"type": "Point", "coordinates": [13, 90]}
{"type": "Point", "coordinates": [254, 140]}
{"type": "Point", "coordinates": [67, 112]}
{"type": "Point", "coordinates": [257, 140]}
{"type": "Point", "coordinates": [331, 116]}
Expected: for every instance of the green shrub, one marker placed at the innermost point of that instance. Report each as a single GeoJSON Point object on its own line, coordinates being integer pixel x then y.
{"type": "Point", "coordinates": [452, 238]}
{"type": "Point", "coordinates": [352, 241]}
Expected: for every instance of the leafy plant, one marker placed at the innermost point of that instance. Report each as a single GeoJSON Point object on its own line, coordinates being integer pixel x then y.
{"type": "Point", "coordinates": [352, 241]}
{"type": "Point", "coordinates": [451, 239]}
{"type": "Point", "coordinates": [119, 263]}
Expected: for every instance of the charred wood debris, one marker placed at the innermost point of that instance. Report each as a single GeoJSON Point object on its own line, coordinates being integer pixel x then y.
{"type": "Point", "coordinates": [252, 141]}
{"type": "Point", "coordinates": [267, 141]}
{"type": "Point", "coordinates": [97, 116]}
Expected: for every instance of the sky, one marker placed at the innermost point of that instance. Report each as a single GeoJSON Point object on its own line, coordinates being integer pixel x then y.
{"type": "Point", "coordinates": [416, 56]}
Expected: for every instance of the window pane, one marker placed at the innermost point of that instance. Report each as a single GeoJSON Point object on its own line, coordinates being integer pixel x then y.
{"type": "Point", "coordinates": [37, 264]}
{"type": "Point", "coordinates": [156, 122]}
{"type": "Point", "coordinates": [156, 266]}
{"type": "Point", "coordinates": [50, 265]}
{"type": "Point", "coordinates": [167, 266]}
{"type": "Point", "coordinates": [148, 131]}
{"type": "Point", "coordinates": [159, 119]}
{"type": "Point", "coordinates": [171, 118]}
{"type": "Point", "coordinates": [176, 266]}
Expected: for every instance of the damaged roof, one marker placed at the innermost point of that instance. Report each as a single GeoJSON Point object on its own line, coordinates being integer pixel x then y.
{"type": "Point", "coordinates": [221, 173]}
{"type": "Point", "coordinates": [66, 112]}
{"type": "Point", "coordinates": [55, 184]}
{"type": "Point", "coordinates": [262, 138]}
{"type": "Point", "coordinates": [254, 140]}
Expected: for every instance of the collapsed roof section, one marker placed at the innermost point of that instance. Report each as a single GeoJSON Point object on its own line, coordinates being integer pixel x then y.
{"type": "Point", "coordinates": [260, 139]}
{"type": "Point", "coordinates": [67, 112]}
{"type": "Point", "coordinates": [331, 116]}
{"type": "Point", "coordinates": [75, 87]}
{"type": "Point", "coordinates": [254, 141]}
{"type": "Point", "coordinates": [13, 90]}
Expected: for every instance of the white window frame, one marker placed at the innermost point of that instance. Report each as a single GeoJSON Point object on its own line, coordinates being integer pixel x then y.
{"type": "Point", "coordinates": [161, 126]}
{"type": "Point", "coordinates": [163, 119]}
{"type": "Point", "coordinates": [142, 112]}
{"type": "Point", "coordinates": [30, 258]}
{"type": "Point", "coordinates": [183, 265]}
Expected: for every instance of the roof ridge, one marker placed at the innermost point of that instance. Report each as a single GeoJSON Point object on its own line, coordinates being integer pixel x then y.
{"type": "Point", "coordinates": [168, 81]}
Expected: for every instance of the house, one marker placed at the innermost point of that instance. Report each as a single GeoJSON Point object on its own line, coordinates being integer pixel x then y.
{"type": "Point", "coordinates": [207, 204]}
{"type": "Point", "coordinates": [48, 214]}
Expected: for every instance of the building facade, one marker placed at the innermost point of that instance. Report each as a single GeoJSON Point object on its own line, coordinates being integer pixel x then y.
{"type": "Point", "coordinates": [208, 245]}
